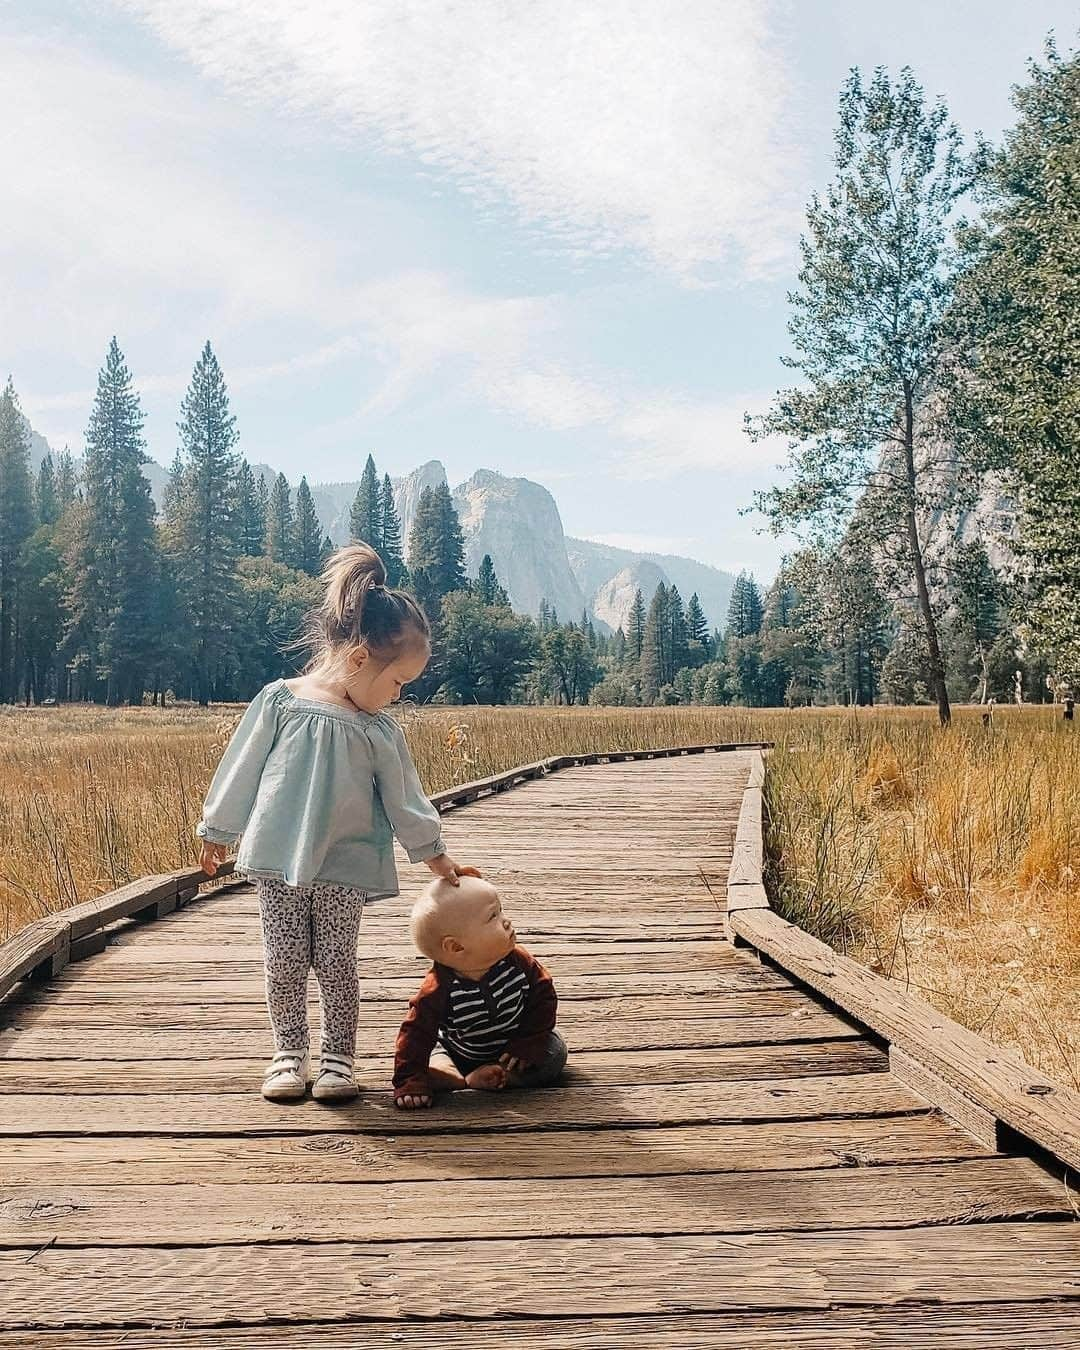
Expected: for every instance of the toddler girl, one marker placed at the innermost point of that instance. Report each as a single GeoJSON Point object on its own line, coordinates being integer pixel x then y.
{"type": "Point", "coordinates": [318, 778]}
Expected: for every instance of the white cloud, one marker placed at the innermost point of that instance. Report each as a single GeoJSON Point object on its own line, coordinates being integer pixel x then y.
{"type": "Point", "coordinates": [656, 127]}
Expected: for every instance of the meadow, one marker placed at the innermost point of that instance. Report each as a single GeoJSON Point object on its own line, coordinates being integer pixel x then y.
{"type": "Point", "coordinates": [947, 860]}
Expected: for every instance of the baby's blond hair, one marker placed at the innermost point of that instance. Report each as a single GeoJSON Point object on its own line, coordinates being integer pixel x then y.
{"type": "Point", "coordinates": [441, 906]}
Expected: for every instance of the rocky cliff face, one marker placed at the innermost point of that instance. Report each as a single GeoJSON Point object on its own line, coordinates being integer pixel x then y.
{"type": "Point", "coordinates": [597, 566]}
{"type": "Point", "coordinates": [518, 523]}
{"type": "Point", "coordinates": [407, 493]}
{"type": "Point", "coordinates": [614, 599]}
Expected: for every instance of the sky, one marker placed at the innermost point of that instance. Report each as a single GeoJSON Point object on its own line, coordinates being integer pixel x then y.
{"type": "Point", "coordinates": [552, 239]}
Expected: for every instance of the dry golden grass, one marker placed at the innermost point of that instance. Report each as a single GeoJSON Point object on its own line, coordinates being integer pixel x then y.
{"type": "Point", "coordinates": [949, 861]}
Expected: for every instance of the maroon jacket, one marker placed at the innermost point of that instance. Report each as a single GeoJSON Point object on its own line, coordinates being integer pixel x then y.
{"type": "Point", "coordinates": [427, 1013]}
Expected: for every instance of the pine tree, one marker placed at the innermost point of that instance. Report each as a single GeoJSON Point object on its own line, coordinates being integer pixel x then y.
{"type": "Point", "coordinates": [67, 481]}
{"type": "Point", "coordinates": [306, 545]}
{"type": "Point", "coordinates": [365, 519]}
{"type": "Point", "coordinates": [280, 526]}
{"type": "Point", "coordinates": [325, 551]}
{"type": "Point", "coordinates": [678, 652]}
{"type": "Point", "coordinates": [486, 587]}
{"type": "Point", "coordinates": [16, 525]}
{"type": "Point", "coordinates": [250, 512]}
{"type": "Point", "coordinates": [436, 549]}
{"type": "Point", "coordinates": [112, 556]}
{"type": "Point", "coordinates": [656, 646]}
{"type": "Point", "coordinates": [745, 610]}
{"type": "Point", "coordinates": [206, 542]}
{"type": "Point", "coordinates": [392, 551]}
{"type": "Point", "coordinates": [697, 630]}
{"type": "Point", "coordinates": [635, 627]}
{"type": "Point", "coordinates": [45, 498]}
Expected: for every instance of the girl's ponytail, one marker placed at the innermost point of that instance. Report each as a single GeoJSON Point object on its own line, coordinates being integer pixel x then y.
{"type": "Point", "coordinates": [357, 607]}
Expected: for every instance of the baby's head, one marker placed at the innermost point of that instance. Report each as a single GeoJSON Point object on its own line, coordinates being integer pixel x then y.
{"type": "Point", "coordinates": [372, 639]}
{"type": "Point", "coordinates": [462, 926]}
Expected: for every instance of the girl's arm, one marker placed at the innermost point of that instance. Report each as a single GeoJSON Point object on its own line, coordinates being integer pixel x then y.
{"type": "Point", "coordinates": [235, 784]}
{"type": "Point", "coordinates": [412, 817]}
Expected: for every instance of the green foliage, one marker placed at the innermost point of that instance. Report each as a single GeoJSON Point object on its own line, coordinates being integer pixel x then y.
{"type": "Point", "coordinates": [490, 650]}
{"type": "Point", "coordinates": [867, 327]}
{"type": "Point", "coordinates": [568, 669]}
{"type": "Point", "coordinates": [307, 539]}
{"type": "Point", "coordinates": [16, 524]}
{"type": "Point", "coordinates": [1015, 398]}
{"type": "Point", "coordinates": [392, 550]}
{"type": "Point", "coordinates": [745, 612]}
{"type": "Point", "coordinates": [365, 519]}
{"type": "Point", "coordinates": [113, 555]}
{"type": "Point", "coordinates": [252, 507]}
{"type": "Point", "coordinates": [436, 550]}
{"type": "Point", "coordinates": [281, 523]}
{"type": "Point", "coordinates": [486, 586]}
{"type": "Point", "coordinates": [203, 535]}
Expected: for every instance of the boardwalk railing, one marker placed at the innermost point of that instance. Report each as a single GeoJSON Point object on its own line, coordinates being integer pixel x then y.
{"type": "Point", "coordinates": [986, 1088]}
{"type": "Point", "coordinates": [43, 948]}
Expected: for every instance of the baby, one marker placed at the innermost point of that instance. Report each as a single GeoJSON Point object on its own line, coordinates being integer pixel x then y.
{"type": "Point", "coordinates": [488, 1004]}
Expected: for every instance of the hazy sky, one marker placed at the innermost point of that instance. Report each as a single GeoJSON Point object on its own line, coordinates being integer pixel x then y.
{"type": "Point", "coordinates": [552, 239]}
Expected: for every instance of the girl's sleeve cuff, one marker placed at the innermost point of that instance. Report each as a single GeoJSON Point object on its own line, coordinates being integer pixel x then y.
{"type": "Point", "coordinates": [426, 851]}
{"type": "Point", "coordinates": [212, 836]}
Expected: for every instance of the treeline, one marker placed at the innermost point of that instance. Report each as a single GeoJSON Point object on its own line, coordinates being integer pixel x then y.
{"type": "Point", "coordinates": [104, 599]}
{"type": "Point", "coordinates": [939, 364]}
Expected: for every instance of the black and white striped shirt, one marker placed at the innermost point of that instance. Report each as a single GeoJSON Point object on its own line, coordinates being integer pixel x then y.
{"type": "Point", "coordinates": [482, 1015]}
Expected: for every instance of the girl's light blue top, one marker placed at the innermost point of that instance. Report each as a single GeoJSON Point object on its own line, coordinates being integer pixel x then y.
{"type": "Point", "coordinates": [318, 792]}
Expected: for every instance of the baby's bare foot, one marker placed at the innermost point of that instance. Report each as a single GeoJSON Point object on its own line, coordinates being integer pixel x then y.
{"type": "Point", "coordinates": [411, 1102]}
{"type": "Point", "coordinates": [487, 1078]}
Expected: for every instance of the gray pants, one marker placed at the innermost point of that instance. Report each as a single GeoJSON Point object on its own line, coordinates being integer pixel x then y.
{"type": "Point", "coordinates": [307, 927]}
{"type": "Point", "coordinates": [545, 1074]}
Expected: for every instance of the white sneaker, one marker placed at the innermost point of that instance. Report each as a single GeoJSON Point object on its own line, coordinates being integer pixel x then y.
{"type": "Point", "coordinates": [335, 1082]}
{"type": "Point", "coordinates": [286, 1077]}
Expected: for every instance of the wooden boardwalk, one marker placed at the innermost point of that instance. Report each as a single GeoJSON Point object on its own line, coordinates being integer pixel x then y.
{"type": "Point", "coordinates": [730, 1164]}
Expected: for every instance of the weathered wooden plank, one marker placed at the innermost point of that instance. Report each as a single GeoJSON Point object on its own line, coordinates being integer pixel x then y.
{"type": "Point", "coordinates": [81, 986]}
{"type": "Point", "coordinates": [994, 1077]}
{"type": "Point", "coordinates": [1051, 1325]}
{"type": "Point", "coordinates": [207, 1013]}
{"type": "Point", "coordinates": [131, 961]}
{"type": "Point", "coordinates": [805, 1023]}
{"type": "Point", "coordinates": [536, 1278]}
{"type": "Point", "coordinates": [121, 903]}
{"type": "Point", "coordinates": [124, 1160]}
{"type": "Point", "coordinates": [973, 1117]}
{"type": "Point", "coordinates": [750, 1202]}
{"type": "Point", "coordinates": [28, 948]}
{"type": "Point", "coordinates": [603, 1068]}
{"type": "Point", "coordinates": [850, 1095]}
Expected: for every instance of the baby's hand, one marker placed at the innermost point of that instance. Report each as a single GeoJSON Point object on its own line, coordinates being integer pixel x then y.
{"type": "Point", "coordinates": [211, 857]}
{"type": "Point", "coordinates": [487, 1078]}
{"type": "Point", "coordinates": [444, 866]}
{"type": "Point", "coordinates": [412, 1101]}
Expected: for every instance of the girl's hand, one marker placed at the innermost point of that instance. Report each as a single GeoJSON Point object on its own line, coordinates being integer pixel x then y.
{"type": "Point", "coordinates": [211, 857]}
{"type": "Point", "coordinates": [444, 866]}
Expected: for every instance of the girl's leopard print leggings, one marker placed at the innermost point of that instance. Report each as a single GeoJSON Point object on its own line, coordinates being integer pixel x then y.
{"type": "Point", "coordinates": [305, 926]}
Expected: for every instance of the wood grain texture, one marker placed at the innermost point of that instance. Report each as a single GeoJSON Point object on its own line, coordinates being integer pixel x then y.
{"type": "Point", "coordinates": [361, 1211]}
{"type": "Point", "coordinates": [1050, 1325]}
{"type": "Point", "coordinates": [126, 1160]}
{"type": "Point", "coordinates": [884, 1270]}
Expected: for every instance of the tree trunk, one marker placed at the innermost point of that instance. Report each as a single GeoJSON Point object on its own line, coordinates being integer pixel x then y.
{"type": "Point", "coordinates": [937, 665]}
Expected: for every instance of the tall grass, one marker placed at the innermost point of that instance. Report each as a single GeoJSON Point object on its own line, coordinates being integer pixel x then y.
{"type": "Point", "coordinates": [947, 860]}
